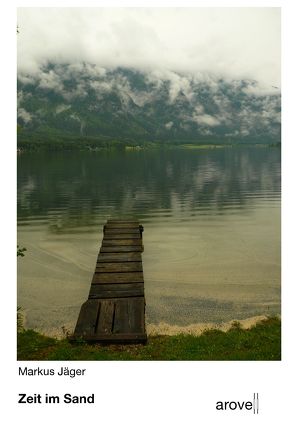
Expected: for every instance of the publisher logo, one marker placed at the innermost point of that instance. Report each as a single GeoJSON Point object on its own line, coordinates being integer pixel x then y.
{"type": "Point", "coordinates": [252, 405]}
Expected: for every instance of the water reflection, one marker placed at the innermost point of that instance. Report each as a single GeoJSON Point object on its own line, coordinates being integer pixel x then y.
{"type": "Point", "coordinates": [214, 210]}
{"type": "Point", "coordinates": [71, 190]}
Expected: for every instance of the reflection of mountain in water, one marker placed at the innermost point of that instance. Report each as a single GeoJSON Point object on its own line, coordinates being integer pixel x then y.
{"type": "Point", "coordinates": [74, 189]}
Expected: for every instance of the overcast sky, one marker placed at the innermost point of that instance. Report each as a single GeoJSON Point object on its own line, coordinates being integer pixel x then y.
{"type": "Point", "coordinates": [231, 42]}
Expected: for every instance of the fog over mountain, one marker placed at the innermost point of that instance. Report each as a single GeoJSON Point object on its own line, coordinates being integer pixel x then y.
{"type": "Point", "coordinates": [85, 99]}
{"type": "Point", "coordinates": [150, 73]}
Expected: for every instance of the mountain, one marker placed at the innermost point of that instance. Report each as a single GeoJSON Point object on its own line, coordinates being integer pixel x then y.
{"type": "Point", "coordinates": [86, 100]}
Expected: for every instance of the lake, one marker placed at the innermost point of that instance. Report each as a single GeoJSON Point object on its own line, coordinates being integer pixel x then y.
{"type": "Point", "coordinates": [211, 231]}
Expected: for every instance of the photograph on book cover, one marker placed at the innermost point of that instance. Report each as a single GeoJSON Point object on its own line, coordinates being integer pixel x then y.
{"type": "Point", "coordinates": [148, 184]}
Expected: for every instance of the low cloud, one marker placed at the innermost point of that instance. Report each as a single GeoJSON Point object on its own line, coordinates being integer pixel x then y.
{"type": "Point", "coordinates": [50, 80]}
{"type": "Point", "coordinates": [229, 42]}
{"type": "Point", "coordinates": [261, 89]}
{"type": "Point", "coordinates": [169, 125]}
{"type": "Point", "coordinates": [24, 115]}
{"type": "Point", "coordinates": [62, 108]}
{"type": "Point", "coordinates": [206, 120]}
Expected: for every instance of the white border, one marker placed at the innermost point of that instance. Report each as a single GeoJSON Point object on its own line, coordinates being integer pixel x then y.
{"type": "Point", "coordinates": [149, 400]}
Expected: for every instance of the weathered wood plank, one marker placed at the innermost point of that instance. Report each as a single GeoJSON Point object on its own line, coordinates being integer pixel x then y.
{"type": "Point", "coordinates": [108, 235]}
{"type": "Point", "coordinates": [120, 249]}
{"type": "Point", "coordinates": [121, 242]}
{"type": "Point", "coordinates": [117, 278]}
{"type": "Point", "coordinates": [116, 290]}
{"type": "Point", "coordinates": [119, 231]}
{"type": "Point", "coordinates": [122, 320]}
{"type": "Point", "coordinates": [108, 294]}
{"type": "Point", "coordinates": [106, 317]}
{"type": "Point", "coordinates": [129, 316]}
{"type": "Point", "coordinates": [116, 267]}
{"type": "Point", "coordinates": [119, 257]}
{"type": "Point", "coordinates": [88, 317]}
{"type": "Point", "coordinates": [136, 310]}
{"type": "Point", "coordinates": [99, 288]}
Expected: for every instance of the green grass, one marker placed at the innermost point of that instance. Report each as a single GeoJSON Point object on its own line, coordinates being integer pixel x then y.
{"type": "Point", "coordinates": [261, 342]}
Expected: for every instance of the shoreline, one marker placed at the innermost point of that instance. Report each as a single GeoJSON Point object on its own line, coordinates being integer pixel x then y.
{"type": "Point", "coordinates": [261, 341]}
{"type": "Point", "coordinates": [165, 329]}
{"type": "Point", "coordinates": [197, 329]}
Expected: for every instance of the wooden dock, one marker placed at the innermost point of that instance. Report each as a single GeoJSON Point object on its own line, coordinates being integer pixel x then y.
{"type": "Point", "coordinates": [115, 309]}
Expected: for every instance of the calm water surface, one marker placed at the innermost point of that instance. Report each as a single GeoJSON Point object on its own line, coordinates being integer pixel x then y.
{"type": "Point", "coordinates": [212, 231]}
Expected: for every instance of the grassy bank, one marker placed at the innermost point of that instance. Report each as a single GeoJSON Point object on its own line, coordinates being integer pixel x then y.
{"type": "Point", "coordinates": [261, 342]}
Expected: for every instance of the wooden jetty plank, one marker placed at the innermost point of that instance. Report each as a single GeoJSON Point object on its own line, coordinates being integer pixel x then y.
{"type": "Point", "coordinates": [108, 235]}
{"type": "Point", "coordinates": [137, 314]}
{"type": "Point", "coordinates": [87, 319]}
{"type": "Point", "coordinates": [96, 293]}
{"type": "Point", "coordinates": [119, 257]}
{"type": "Point", "coordinates": [106, 317]}
{"type": "Point", "coordinates": [121, 242]}
{"type": "Point", "coordinates": [121, 249]}
{"type": "Point", "coordinates": [116, 287]}
{"type": "Point", "coordinates": [114, 267]}
{"type": "Point", "coordinates": [117, 278]}
{"type": "Point", "coordinates": [129, 318]}
{"type": "Point", "coordinates": [121, 321]}
{"type": "Point", "coordinates": [120, 231]}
